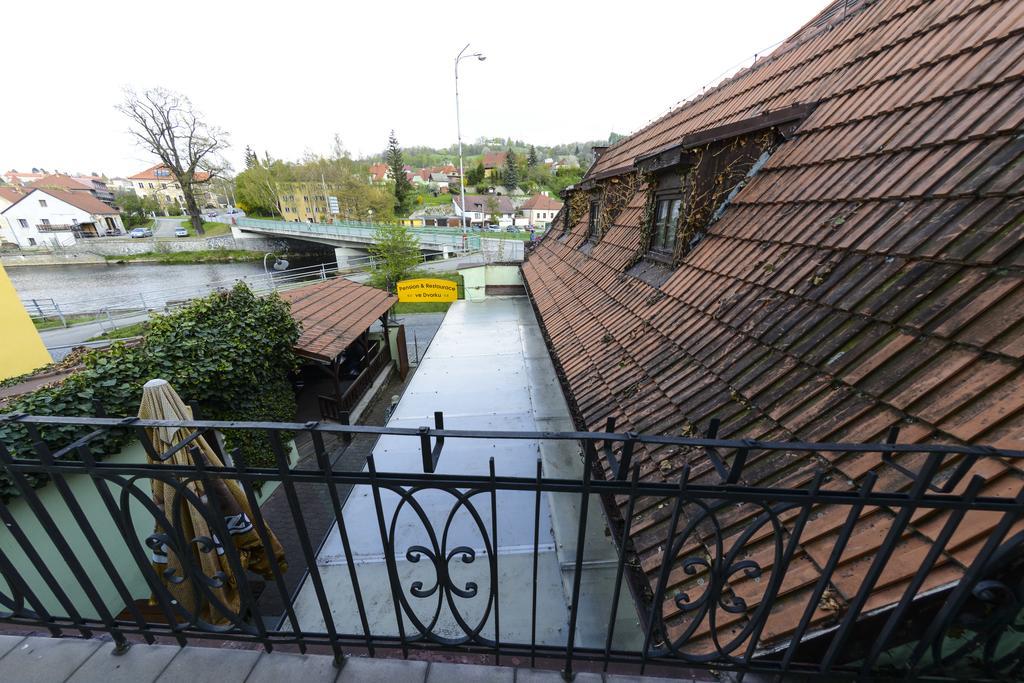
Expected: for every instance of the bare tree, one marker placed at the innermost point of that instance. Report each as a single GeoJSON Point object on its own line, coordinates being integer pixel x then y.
{"type": "Point", "coordinates": [166, 125]}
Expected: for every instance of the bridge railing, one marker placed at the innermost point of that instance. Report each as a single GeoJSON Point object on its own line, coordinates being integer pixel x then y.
{"type": "Point", "coordinates": [365, 232]}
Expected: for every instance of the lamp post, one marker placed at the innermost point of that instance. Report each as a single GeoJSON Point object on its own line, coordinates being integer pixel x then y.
{"type": "Point", "coordinates": [458, 129]}
{"type": "Point", "coordinates": [279, 264]}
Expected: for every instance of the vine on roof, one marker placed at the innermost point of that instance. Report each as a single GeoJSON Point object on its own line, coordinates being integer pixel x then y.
{"type": "Point", "coordinates": [718, 169]}
{"type": "Point", "coordinates": [615, 196]}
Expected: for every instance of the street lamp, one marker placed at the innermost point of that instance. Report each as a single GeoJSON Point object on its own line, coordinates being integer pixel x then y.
{"type": "Point", "coordinates": [458, 128]}
{"type": "Point", "coordinates": [279, 264]}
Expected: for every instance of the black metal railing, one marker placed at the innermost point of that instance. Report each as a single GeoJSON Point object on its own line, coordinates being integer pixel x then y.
{"type": "Point", "coordinates": [724, 575]}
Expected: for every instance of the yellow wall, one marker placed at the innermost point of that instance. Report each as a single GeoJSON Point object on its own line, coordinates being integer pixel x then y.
{"type": "Point", "coordinates": [21, 348]}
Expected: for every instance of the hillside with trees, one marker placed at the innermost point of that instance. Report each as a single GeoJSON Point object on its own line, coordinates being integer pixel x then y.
{"type": "Point", "coordinates": [258, 188]}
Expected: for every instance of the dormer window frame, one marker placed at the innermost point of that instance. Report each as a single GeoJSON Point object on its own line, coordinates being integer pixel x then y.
{"type": "Point", "coordinates": [594, 219]}
{"type": "Point", "coordinates": [669, 163]}
{"type": "Point", "coordinates": [665, 224]}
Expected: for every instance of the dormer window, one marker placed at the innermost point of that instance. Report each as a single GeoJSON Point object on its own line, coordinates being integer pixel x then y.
{"type": "Point", "coordinates": [666, 222]}
{"type": "Point", "coordinates": [696, 178]}
{"type": "Point", "coordinates": [594, 221]}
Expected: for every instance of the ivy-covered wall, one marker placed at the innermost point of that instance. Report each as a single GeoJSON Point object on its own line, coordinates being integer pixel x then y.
{"type": "Point", "coordinates": [229, 352]}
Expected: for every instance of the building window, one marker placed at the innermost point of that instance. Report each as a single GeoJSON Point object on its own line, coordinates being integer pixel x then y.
{"type": "Point", "coordinates": [593, 223]}
{"type": "Point", "coordinates": [22, 222]}
{"type": "Point", "coordinates": [44, 221]}
{"type": "Point", "coordinates": [666, 221]}
{"type": "Point", "coordinates": [42, 202]}
{"type": "Point", "coordinates": [142, 184]}
{"type": "Point", "coordinates": [31, 241]}
{"type": "Point", "coordinates": [151, 184]}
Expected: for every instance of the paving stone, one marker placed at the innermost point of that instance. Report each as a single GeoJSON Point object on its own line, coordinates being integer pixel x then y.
{"type": "Point", "coordinates": [469, 673]}
{"type": "Point", "coordinates": [619, 678]}
{"type": "Point", "coordinates": [275, 667]}
{"type": "Point", "coordinates": [365, 669]}
{"type": "Point", "coordinates": [547, 676]}
{"type": "Point", "coordinates": [45, 659]}
{"type": "Point", "coordinates": [8, 642]}
{"type": "Point", "coordinates": [141, 664]}
{"type": "Point", "coordinates": [210, 665]}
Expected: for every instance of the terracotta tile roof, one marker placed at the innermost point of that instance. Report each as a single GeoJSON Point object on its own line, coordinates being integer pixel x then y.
{"type": "Point", "coordinates": [151, 174]}
{"type": "Point", "coordinates": [494, 159]}
{"type": "Point", "coordinates": [870, 275]}
{"type": "Point", "coordinates": [379, 171]}
{"type": "Point", "coordinates": [478, 203]}
{"type": "Point", "coordinates": [543, 202]}
{"type": "Point", "coordinates": [56, 180]}
{"type": "Point", "coordinates": [11, 194]}
{"type": "Point", "coordinates": [333, 313]}
{"type": "Point", "coordinates": [82, 200]}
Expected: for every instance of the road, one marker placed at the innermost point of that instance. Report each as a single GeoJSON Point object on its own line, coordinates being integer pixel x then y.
{"type": "Point", "coordinates": [164, 226]}
{"type": "Point", "coordinates": [59, 341]}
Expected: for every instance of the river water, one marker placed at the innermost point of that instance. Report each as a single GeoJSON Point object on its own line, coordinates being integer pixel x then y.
{"type": "Point", "coordinates": [87, 288]}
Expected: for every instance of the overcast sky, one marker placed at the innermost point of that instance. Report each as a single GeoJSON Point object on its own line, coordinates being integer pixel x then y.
{"type": "Point", "coordinates": [286, 76]}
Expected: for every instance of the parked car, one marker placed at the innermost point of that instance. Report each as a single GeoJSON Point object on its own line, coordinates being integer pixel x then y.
{"type": "Point", "coordinates": [211, 214]}
{"type": "Point", "coordinates": [493, 228]}
{"type": "Point", "coordinates": [140, 232]}
{"type": "Point", "coordinates": [181, 232]}
{"type": "Point", "coordinates": [233, 211]}
{"type": "Point", "coordinates": [511, 228]}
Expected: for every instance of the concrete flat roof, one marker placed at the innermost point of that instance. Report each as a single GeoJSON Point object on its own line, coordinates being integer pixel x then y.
{"type": "Point", "coordinates": [486, 368]}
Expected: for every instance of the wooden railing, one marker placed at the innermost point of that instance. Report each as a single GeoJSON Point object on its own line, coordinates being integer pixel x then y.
{"type": "Point", "coordinates": [375, 360]}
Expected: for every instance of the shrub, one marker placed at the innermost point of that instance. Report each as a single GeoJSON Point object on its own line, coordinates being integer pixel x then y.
{"type": "Point", "coordinates": [229, 353]}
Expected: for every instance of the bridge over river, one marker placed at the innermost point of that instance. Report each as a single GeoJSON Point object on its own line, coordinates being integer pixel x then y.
{"type": "Point", "coordinates": [350, 239]}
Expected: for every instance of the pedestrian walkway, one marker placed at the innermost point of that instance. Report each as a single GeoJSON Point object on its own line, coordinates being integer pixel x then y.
{"type": "Point", "coordinates": [74, 660]}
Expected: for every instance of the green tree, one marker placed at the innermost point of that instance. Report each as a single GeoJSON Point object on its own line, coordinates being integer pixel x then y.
{"type": "Point", "coordinates": [251, 159]}
{"type": "Point", "coordinates": [135, 210]}
{"type": "Point", "coordinates": [511, 176]}
{"type": "Point", "coordinates": [475, 176]}
{"type": "Point", "coordinates": [397, 254]}
{"type": "Point", "coordinates": [493, 208]}
{"type": "Point", "coordinates": [531, 157]}
{"type": "Point", "coordinates": [254, 192]}
{"type": "Point", "coordinates": [402, 188]}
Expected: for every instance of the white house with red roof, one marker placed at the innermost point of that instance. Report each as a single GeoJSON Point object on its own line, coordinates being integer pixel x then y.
{"type": "Point", "coordinates": [58, 217]}
{"type": "Point", "coordinates": [8, 195]}
{"type": "Point", "coordinates": [539, 210]}
{"type": "Point", "coordinates": [91, 185]}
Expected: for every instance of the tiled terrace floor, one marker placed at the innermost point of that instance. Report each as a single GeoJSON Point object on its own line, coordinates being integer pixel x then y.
{"type": "Point", "coordinates": [53, 660]}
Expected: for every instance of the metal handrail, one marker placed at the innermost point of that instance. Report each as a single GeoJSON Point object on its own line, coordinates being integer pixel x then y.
{"type": "Point", "coordinates": [716, 565]}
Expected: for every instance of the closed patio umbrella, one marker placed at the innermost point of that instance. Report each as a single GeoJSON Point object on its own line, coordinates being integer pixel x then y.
{"type": "Point", "coordinates": [161, 402]}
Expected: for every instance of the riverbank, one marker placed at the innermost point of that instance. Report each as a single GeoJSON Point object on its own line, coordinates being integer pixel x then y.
{"type": "Point", "coordinates": [28, 259]}
{"type": "Point", "coordinates": [188, 257]}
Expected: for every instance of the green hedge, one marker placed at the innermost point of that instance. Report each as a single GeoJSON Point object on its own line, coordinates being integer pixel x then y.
{"type": "Point", "coordinates": [229, 353]}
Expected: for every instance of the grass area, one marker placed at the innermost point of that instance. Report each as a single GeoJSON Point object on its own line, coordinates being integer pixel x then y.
{"type": "Point", "coordinates": [175, 257]}
{"type": "Point", "coordinates": [427, 199]}
{"type": "Point", "coordinates": [422, 307]}
{"type": "Point", "coordinates": [50, 323]}
{"type": "Point", "coordinates": [209, 229]}
{"type": "Point", "coordinates": [265, 218]}
{"type": "Point", "coordinates": [524, 236]}
{"type": "Point", "coordinates": [133, 330]}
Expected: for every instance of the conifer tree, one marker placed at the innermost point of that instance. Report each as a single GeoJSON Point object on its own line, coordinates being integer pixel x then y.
{"type": "Point", "coordinates": [403, 188]}
{"type": "Point", "coordinates": [511, 171]}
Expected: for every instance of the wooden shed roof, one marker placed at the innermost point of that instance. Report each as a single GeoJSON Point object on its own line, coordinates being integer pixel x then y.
{"type": "Point", "coordinates": [333, 313]}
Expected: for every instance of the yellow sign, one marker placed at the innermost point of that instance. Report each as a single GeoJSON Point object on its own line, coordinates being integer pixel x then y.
{"type": "Point", "coordinates": [427, 289]}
